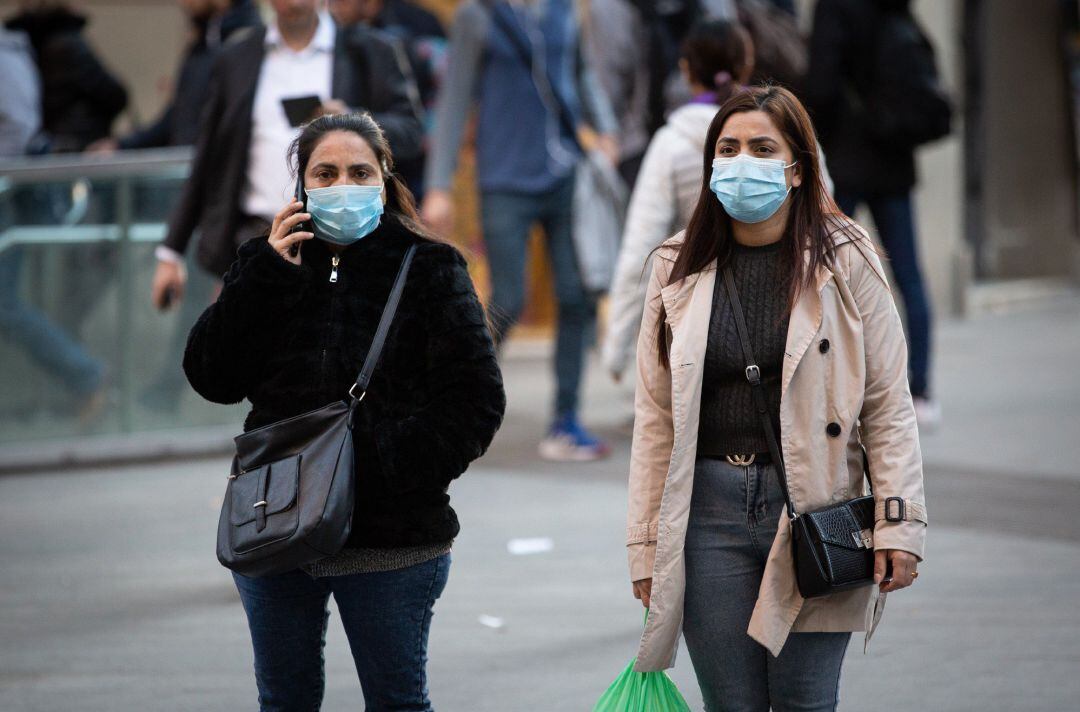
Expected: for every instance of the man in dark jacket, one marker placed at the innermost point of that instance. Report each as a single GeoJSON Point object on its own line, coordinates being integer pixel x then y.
{"type": "Point", "coordinates": [865, 166]}
{"type": "Point", "coordinates": [213, 23]}
{"type": "Point", "coordinates": [80, 98]}
{"type": "Point", "coordinates": [239, 178]}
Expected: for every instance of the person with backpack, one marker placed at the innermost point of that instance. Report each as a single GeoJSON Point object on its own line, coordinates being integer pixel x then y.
{"type": "Point", "coordinates": [873, 89]}
{"type": "Point", "coordinates": [519, 62]}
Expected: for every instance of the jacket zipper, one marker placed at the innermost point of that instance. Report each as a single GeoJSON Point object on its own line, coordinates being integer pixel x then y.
{"type": "Point", "coordinates": [335, 260]}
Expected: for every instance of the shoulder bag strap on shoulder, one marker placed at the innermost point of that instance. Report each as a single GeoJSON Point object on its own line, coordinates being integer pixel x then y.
{"type": "Point", "coordinates": [359, 389]}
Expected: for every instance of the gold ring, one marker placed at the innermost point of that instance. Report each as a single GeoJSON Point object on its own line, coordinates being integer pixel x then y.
{"type": "Point", "coordinates": [914, 575]}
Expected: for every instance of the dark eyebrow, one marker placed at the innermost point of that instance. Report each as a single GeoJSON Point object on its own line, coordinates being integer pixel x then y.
{"type": "Point", "coordinates": [756, 139]}
{"type": "Point", "coordinates": [368, 166]}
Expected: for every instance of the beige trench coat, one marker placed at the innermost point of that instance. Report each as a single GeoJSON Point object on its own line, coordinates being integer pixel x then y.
{"type": "Point", "coordinates": [859, 380]}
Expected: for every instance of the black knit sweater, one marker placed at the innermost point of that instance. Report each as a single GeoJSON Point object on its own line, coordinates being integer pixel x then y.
{"type": "Point", "coordinates": [288, 340]}
{"type": "Point", "coordinates": [729, 422]}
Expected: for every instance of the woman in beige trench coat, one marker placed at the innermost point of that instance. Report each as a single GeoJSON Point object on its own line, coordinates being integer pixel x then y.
{"type": "Point", "coordinates": [708, 540]}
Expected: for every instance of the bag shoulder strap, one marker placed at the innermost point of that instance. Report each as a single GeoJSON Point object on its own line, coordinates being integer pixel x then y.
{"type": "Point", "coordinates": [522, 46]}
{"type": "Point", "coordinates": [364, 379]}
{"type": "Point", "coordinates": [753, 375]}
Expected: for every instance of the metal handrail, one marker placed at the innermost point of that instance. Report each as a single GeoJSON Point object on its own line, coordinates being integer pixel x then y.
{"type": "Point", "coordinates": [166, 162]}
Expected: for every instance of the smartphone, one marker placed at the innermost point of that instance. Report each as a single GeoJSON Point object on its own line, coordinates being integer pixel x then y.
{"type": "Point", "coordinates": [300, 109]}
{"type": "Point", "coordinates": [294, 250]}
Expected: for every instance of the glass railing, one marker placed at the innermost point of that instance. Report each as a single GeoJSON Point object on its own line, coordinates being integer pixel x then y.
{"type": "Point", "coordinates": [82, 350]}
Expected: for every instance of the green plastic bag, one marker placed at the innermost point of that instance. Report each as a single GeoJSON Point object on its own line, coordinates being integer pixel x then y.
{"type": "Point", "coordinates": [642, 692]}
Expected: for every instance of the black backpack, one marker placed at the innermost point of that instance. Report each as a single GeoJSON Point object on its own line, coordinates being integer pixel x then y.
{"type": "Point", "coordinates": [903, 97]}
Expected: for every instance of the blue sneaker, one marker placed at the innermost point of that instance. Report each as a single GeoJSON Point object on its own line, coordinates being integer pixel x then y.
{"type": "Point", "coordinates": [568, 441]}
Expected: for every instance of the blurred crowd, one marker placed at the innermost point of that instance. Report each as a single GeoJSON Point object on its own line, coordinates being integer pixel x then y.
{"type": "Point", "coordinates": [586, 118]}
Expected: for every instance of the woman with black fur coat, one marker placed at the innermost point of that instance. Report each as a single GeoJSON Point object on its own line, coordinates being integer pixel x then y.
{"type": "Point", "coordinates": [292, 326]}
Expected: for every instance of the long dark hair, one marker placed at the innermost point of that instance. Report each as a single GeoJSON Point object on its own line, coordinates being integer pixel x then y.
{"type": "Point", "coordinates": [812, 216]}
{"type": "Point", "coordinates": [717, 53]}
{"type": "Point", "coordinates": [400, 203]}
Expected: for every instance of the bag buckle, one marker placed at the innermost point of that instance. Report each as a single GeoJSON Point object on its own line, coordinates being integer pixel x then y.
{"type": "Point", "coordinates": [353, 395]}
{"type": "Point", "coordinates": [741, 460]}
{"type": "Point", "coordinates": [753, 374]}
{"type": "Point", "coordinates": [901, 509]}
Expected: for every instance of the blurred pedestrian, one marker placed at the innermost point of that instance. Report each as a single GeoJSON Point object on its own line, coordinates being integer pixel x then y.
{"type": "Point", "coordinates": [520, 62]}
{"type": "Point", "coordinates": [237, 182]}
{"type": "Point", "coordinates": [715, 562]}
{"type": "Point", "coordinates": [213, 23]}
{"type": "Point", "coordinates": [27, 328]}
{"type": "Point", "coordinates": [871, 67]}
{"type": "Point", "coordinates": [80, 97]}
{"type": "Point", "coordinates": [716, 59]}
{"type": "Point", "coordinates": [289, 333]}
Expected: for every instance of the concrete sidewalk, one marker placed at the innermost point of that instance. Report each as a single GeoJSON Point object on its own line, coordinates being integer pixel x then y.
{"type": "Point", "coordinates": [111, 597]}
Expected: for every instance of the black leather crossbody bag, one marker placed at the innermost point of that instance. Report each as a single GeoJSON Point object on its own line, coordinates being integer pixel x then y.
{"type": "Point", "coordinates": [834, 546]}
{"type": "Point", "coordinates": [289, 500]}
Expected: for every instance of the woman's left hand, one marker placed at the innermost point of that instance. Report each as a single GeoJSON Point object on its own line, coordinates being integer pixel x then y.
{"type": "Point", "coordinates": [904, 565]}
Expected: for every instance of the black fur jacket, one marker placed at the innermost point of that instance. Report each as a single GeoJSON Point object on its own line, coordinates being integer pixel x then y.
{"type": "Point", "coordinates": [289, 340]}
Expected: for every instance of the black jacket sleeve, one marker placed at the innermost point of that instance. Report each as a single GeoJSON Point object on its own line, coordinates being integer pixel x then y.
{"type": "Point", "coordinates": [155, 135]}
{"type": "Point", "coordinates": [225, 341]}
{"type": "Point", "coordinates": [436, 443]}
{"type": "Point", "coordinates": [390, 95]}
{"type": "Point", "coordinates": [188, 211]}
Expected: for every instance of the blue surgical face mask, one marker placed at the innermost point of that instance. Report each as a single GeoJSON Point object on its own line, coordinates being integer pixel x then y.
{"type": "Point", "coordinates": [750, 189]}
{"type": "Point", "coordinates": [344, 214]}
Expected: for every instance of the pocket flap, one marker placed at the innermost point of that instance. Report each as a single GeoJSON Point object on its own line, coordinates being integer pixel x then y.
{"type": "Point", "coordinates": [837, 526]}
{"type": "Point", "coordinates": [275, 483]}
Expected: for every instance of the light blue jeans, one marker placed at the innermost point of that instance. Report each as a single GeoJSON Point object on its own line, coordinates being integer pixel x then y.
{"type": "Point", "coordinates": [734, 514]}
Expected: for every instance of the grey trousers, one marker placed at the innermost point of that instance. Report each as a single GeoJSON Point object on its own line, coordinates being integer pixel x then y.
{"type": "Point", "coordinates": [734, 514]}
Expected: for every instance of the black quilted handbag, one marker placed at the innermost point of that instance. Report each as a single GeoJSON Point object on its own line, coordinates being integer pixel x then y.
{"type": "Point", "coordinates": [290, 496]}
{"type": "Point", "coordinates": [834, 546]}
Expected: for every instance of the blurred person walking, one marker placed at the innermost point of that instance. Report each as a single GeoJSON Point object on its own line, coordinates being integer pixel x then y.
{"type": "Point", "coordinates": [716, 60]}
{"type": "Point", "coordinates": [871, 80]}
{"type": "Point", "coordinates": [237, 181]}
{"type": "Point", "coordinates": [80, 97]}
{"type": "Point", "coordinates": [212, 24]}
{"type": "Point", "coordinates": [28, 329]}
{"type": "Point", "coordinates": [520, 62]}
{"type": "Point", "coordinates": [716, 561]}
{"type": "Point", "coordinates": [289, 332]}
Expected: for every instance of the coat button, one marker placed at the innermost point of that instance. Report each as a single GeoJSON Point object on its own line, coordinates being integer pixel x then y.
{"type": "Point", "coordinates": [833, 429]}
{"type": "Point", "coordinates": [823, 347]}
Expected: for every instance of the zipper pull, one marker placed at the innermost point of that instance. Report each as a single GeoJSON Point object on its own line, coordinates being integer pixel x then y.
{"type": "Point", "coordinates": [334, 261]}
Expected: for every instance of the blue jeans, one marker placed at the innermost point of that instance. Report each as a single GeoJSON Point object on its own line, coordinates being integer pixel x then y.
{"type": "Point", "coordinates": [895, 221]}
{"type": "Point", "coordinates": [386, 615]}
{"type": "Point", "coordinates": [46, 343]}
{"type": "Point", "coordinates": [734, 513]}
{"type": "Point", "coordinates": [507, 219]}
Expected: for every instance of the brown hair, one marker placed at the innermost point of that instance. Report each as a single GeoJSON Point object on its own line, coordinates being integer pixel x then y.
{"type": "Point", "coordinates": [812, 215]}
{"type": "Point", "coordinates": [400, 203]}
{"type": "Point", "coordinates": [717, 53]}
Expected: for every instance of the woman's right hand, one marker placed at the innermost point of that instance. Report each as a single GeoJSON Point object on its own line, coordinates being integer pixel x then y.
{"type": "Point", "coordinates": [643, 591]}
{"type": "Point", "coordinates": [281, 239]}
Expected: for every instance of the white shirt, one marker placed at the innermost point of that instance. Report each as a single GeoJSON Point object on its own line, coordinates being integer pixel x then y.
{"type": "Point", "coordinates": [285, 74]}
